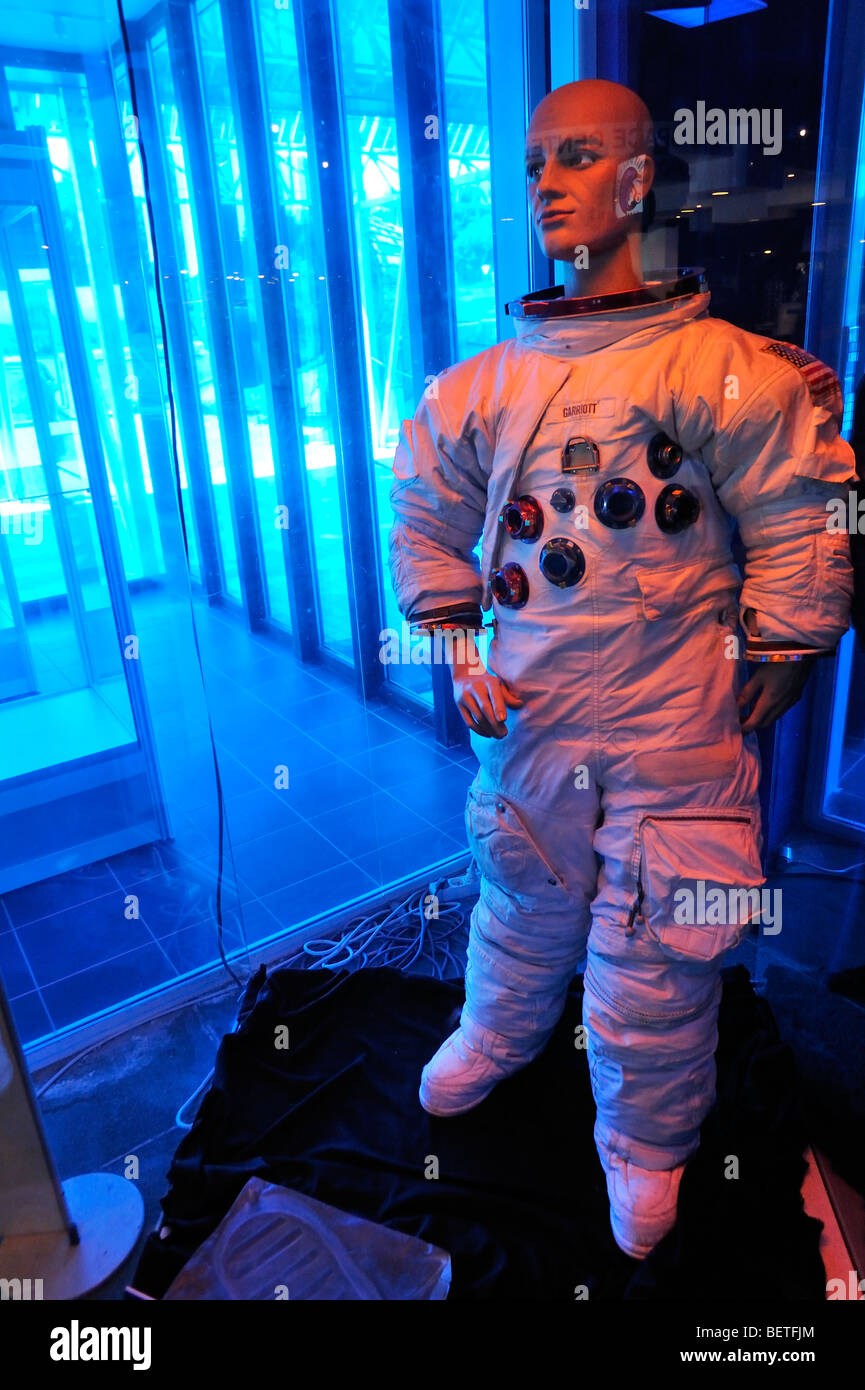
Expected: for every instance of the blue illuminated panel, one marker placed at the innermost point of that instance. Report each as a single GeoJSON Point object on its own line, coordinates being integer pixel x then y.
{"type": "Point", "coordinates": [694, 16]}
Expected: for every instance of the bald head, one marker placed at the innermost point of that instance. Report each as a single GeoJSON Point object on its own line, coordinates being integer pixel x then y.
{"type": "Point", "coordinates": [616, 118]}
{"type": "Point", "coordinates": [588, 168]}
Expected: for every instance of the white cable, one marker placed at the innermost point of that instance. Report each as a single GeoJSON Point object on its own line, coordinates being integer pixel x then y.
{"type": "Point", "coordinates": [179, 1121]}
{"type": "Point", "coordinates": [824, 868]}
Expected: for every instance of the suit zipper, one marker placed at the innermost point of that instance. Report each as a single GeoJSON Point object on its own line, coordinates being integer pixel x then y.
{"type": "Point", "coordinates": [501, 802]}
{"type": "Point", "coordinates": [680, 815]}
{"type": "Point", "coordinates": [514, 478]}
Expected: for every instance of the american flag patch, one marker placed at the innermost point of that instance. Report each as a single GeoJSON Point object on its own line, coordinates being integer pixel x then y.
{"type": "Point", "coordinates": [823, 385]}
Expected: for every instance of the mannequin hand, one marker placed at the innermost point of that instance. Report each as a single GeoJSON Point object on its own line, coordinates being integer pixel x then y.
{"type": "Point", "coordinates": [483, 700]}
{"type": "Point", "coordinates": [774, 687]}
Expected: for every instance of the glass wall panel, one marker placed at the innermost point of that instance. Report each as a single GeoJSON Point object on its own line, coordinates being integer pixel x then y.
{"type": "Point", "coordinates": [107, 882]}
{"type": "Point", "coordinates": [58, 104]}
{"type": "Point", "coordinates": [367, 64]}
{"type": "Point", "coordinates": [193, 296]}
{"type": "Point", "coordinates": [367, 67]}
{"type": "Point", "coordinates": [742, 207]}
{"type": "Point", "coordinates": [298, 258]}
{"type": "Point", "coordinates": [138, 375]}
{"type": "Point", "coordinates": [139, 254]}
{"type": "Point", "coordinates": [54, 478]}
{"type": "Point", "coordinates": [242, 280]}
{"type": "Point", "coordinates": [465, 69]}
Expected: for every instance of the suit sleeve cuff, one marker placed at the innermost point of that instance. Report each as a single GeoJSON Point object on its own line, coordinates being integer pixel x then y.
{"type": "Point", "coordinates": [466, 615]}
{"type": "Point", "coordinates": [760, 650]}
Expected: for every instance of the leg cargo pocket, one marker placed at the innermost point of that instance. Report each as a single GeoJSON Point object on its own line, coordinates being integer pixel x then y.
{"type": "Point", "coordinates": [506, 853]}
{"type": "Point", "coordinates": [698, 878]}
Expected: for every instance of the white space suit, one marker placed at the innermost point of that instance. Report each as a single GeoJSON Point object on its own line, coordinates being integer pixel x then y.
{"type": "Point", "coordinates": [624, 775]}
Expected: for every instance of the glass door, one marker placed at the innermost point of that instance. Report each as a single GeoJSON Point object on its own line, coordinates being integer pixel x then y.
{"type": "Point", "coordinates": [78, 777]}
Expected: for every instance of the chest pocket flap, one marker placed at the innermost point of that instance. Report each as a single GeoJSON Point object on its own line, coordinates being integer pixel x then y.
{"type": "Point", "coordinates": [677, 588]}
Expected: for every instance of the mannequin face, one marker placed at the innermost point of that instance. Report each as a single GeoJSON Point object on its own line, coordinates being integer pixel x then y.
{"type": "Point", "coordinates": [586, 162]}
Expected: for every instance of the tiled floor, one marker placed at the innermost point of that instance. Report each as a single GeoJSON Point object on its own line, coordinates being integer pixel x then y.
{"type": "Point", "coordinates": [371, 797]}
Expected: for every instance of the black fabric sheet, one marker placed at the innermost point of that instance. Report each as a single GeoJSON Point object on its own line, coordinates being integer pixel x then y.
{"type": "Point", "coordinates": [520, 1198]}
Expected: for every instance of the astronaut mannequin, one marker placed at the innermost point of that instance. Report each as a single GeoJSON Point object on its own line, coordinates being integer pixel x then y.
{"type": "Point", "coordinates": [602, 455]}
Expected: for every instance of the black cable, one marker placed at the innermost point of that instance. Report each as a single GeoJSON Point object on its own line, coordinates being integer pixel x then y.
{"type": "Point", "coordinates": [151, 222]}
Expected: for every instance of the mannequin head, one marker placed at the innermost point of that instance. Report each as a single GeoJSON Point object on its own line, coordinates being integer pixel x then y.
{"type": "Point", "coordinates": [587, 157]}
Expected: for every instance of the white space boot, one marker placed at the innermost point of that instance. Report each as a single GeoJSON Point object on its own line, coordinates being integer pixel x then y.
{"type": "Point", "coordinates": [642, 1202]}
{"type": "Point", "coordinates": [467, 1067]}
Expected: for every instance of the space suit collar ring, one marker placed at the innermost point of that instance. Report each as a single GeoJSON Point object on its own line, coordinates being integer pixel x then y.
{"type": "Point", "coordinates": [664, 285]}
